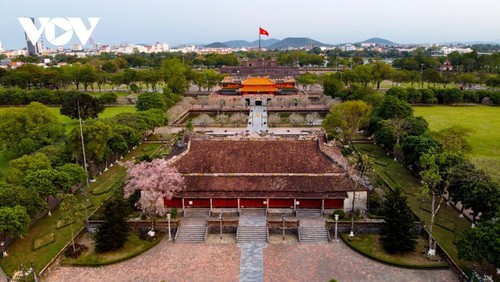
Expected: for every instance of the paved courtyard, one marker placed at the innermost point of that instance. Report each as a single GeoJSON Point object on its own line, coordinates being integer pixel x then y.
{"type": "Point", "coordinates": [221, 262]}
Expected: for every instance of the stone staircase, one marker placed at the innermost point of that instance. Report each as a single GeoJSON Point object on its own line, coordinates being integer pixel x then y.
{"type": "Point", "coordinates": [197, 212]}
{"type": "Point", "coordinates": [252, 234]}
{"type": "Point", "coordinates": [313, 234]}
{"type": "Point", "coordinates": [309, 213]}
{"type": "Point", "coordinates": [191, 234]}
{"type": "Point", "coordinates": [253, 213]}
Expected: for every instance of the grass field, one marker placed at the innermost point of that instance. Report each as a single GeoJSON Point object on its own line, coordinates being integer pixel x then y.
{"type": "Point", "coordinates": [68, 123]}
{"type": "Point", "coordinates": [484, 120]}
{"type": "Point", "coordinates": [448, 226]}
{"type": "Point", "coordinates": [369, 245]}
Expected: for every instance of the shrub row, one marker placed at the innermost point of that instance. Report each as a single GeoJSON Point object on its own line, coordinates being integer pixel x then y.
{"type": "Point", "coordinates": [18, 96]}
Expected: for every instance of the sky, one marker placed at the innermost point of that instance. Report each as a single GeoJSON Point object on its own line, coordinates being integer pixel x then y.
{"type": "Point", "coordinates": [206, 21]}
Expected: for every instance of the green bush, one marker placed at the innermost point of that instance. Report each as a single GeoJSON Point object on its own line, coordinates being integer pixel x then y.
{"type": "Point", "coordinates": [173, 212]}
{"type": "Point", "coordinates": [341, 214]}
{"type": "Point", "coordinates": [346, 151]}
{"type": "Point", "coordinates": [374, 202]}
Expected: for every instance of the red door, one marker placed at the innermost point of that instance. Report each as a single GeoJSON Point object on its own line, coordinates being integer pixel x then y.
{"type": "Point", "coordinates": [309, 204]}
{"type": "Point", "coordinates": [281, 203]}
{"type": "Point", "coordinates": [253, 203]}
{"type": "Point", "coordinates": [334, 204]}
{"type": "Point", "coordinates": [225, 203]}
{"type": "Point", "coordinates": [173, 203]}
{"type": "Point", "coordinates": [197, 203]}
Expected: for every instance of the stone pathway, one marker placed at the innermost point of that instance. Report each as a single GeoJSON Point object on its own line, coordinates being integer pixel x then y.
{"type": "Point", "coordinates": [252, 254]}
{"type": "Point", "coordinates": [323, 262]}
{"type": "Point", "coordinates": [165, 262]}
{"type": "Point", "coordinates": [252, 262]}
{"type": "Point", "coordinates": [257, 119]}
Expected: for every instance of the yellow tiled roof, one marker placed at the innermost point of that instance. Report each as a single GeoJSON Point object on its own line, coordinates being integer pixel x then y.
{"type": "Point", "coordinates": [258, 81]}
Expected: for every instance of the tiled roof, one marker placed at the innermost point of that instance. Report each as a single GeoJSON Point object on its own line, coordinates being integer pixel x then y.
{"type": "Point", "coordinates": [269, 186]}
{"type": "Point", "coordinates": [255, 156]}
{"type": "Point", "coordinates": [258, 81]}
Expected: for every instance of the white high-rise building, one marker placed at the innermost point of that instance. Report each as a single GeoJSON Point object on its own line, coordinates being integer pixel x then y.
{"type": "Point", "coordinates": [1, 46]}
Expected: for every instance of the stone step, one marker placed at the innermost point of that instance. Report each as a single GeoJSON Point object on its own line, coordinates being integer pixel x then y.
{"type": "Point", "coordinates": [254, 234]}
{"type": "Point", "coordinates": [309, 213]}
{"type": "Point", "coordinates": [253, 212]}
{"type": "Point", "coordinates": [313, 235]}
{"type": "Point", "coordinates": [197, 212]}
{"type": "Point", "coordinates": [191, 234]}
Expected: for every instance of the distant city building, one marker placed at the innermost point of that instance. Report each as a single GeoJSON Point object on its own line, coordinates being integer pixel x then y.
{"type": "Point", "coordinates": [76, 47]}
{"type": "Point", "coordinates": [448, 50]}
{"type": "Point", "coordinates": [1, 46]}
{"type": "Point", "coordinates": [368, 44]}
{"type": "Point", "coordinates": [33, 49]}
{"type": "Point", "coordinates": [349, 47]}
{"type": "Point", "coordinates": [260, 67]}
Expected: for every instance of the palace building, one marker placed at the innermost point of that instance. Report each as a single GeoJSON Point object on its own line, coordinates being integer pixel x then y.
{"type": "Point", "coordinates": [260, 67]}
{"type": "Point", "coordinates": [273, 174]}
{"type": "Point", "coordinates": [258, 86]}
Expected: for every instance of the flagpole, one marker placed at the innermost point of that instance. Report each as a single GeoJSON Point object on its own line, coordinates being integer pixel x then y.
{"type": "Point", "coordinates": [259, 39]}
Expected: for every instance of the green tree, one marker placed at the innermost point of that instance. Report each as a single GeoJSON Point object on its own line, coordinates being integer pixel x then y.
{"type": "Point", "coordinates": [71, 211]}
{"type": "Point", "coordinates": [112, 233]}
{"type": "Point", "coordinates": [153, 100]}
{"type": "Point", "coordinates": [346, 118]}
{"type": "Point", "coordinates": [48, 182]}
{"type": "Point", "coordinates": [87, 75]}
{"type": "Point", "coordinates": [96, 136]}
{"type": "Point", "coordinates": [75, 172]}
{"type": "Point", "coordinates": [393, 108]}
{"type": "Point", "coordinates": [454, 138]}
{"type": "Point", "coordinates": [13, 195]}
{"type": "Point", "coordinates": [14, 221]}
{"type": "Point", "coordinates": [23, 131]}
{"type": "Point", "coordinates": [331, 85]}
{"type": "Point", "coordinates": [381, 72]}
{"type": "Point", "coordinates": [90, 107]}
{"type": "Point", "coordinates": [306, 79]}
{"type": "Point", "coordinates": [400, 92]}
{"type": "Point", "coordinates": [481, 243]}
{"type": "Point", "coordinates": [396, 233]}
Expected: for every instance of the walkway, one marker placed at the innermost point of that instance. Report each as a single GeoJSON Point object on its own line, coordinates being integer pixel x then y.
{"type": "Point", "coordinates": [257, 119]}
{"type": "Point", "coordinates": [221, 262]}
{"type": "Point", "coordinates": [252, 253]}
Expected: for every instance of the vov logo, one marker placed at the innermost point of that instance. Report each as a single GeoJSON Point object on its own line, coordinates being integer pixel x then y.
{"type": "Point", "coordinates": [68, 25]}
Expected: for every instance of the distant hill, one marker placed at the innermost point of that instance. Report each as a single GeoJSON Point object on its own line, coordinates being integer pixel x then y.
{"type": "Point", "coordinates": [378, 41]}
{"type": "Point", "coordinates": [247, 44]}
{"type": "Point", "coordinates": [216, 45]}
{"type": "Point", "coordinates": [296, 42]}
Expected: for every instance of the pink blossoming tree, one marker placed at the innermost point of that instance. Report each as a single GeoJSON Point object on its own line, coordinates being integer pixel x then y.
{"type": "Point", "coordinates": [156, 181]}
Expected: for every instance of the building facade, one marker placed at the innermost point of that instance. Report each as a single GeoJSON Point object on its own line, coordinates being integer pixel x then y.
{"type": "Point", "coordinates": [260, 173]}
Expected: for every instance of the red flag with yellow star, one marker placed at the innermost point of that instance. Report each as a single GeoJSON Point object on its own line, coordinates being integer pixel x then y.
{"type": "Point", "coordinates": [263, 32]}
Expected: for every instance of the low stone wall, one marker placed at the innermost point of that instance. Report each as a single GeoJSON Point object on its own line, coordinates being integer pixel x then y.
{"type": "Point", "coordinates": [462, 277]}
{"type": "Point", "coordinates": [161, 225]}
{"type": "Point", "coordinates": [364, 227]}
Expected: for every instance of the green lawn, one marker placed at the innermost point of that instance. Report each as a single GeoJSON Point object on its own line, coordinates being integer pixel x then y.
{"type": "Point", "coordinates": [133, 247]}
{"type": "Point", "coordinates": [484, 120]}
{"type": "Point", "coordinates": [448, 226]}
{"type": "Point", "coordinates": [68, 123]}
{"type": "Point", "coordinates": [369, 245]}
